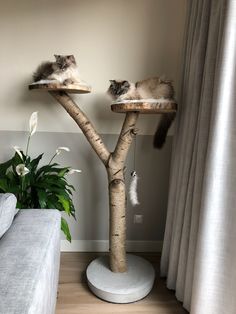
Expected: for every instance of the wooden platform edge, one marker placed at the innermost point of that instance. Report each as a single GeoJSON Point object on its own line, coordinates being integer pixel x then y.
{"type": "Point", "coordinates": [71, 88]}
{"type": "Point", "coordinates": [145, 107]}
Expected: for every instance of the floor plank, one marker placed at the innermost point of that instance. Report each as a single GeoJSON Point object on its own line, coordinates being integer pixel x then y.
{"type": "Point", "coordinates": [75, 297]}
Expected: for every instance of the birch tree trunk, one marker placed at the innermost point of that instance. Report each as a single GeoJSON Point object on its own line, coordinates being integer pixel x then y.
{"type": "Point", "coordinates": [114, 163]}
{"type": "Point", "coordinates": [117, 194]}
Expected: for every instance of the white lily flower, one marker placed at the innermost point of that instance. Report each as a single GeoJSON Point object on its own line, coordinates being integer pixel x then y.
{"type": "Point", "coordinates": [71, 171]}
{"type": "Point", "coordinates": [33, 123]}
{"type": "Point", "coordinates": [18, 150]}
{"type": "Point", "coordinates": [60, 149]}
{"type": "Point", "coordinates": [21, 170]}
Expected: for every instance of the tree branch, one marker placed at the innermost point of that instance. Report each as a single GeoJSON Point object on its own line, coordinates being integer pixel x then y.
{"type": "Point", "coordinates": [127, 133]}
{"type": "Point", "coordinates": [85, 125]}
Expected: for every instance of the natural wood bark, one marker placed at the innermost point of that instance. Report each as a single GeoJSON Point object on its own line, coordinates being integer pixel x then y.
{"type": "Point", "coordinates": [117, 194]}
{"type": "Point", "coordinates": [117, 222]}
{"type": "Point", "coordinates": [126, 136]}
{"type": "Point", "coordinates": [114, 163]}
{"type": "Point", "coordinates": [85, 125]}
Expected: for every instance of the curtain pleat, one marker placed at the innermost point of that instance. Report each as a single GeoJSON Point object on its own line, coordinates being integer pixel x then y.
{"type": "Point", "coordinates": [214, 283]}
{"type": "Point", "coordinates": [204, 31]}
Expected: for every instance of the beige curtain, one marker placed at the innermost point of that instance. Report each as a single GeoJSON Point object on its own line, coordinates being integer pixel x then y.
{"type": "Point", "coordinates": [199, 252]}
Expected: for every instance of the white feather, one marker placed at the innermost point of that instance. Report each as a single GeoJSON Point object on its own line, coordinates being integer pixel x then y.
{"type": "Point", "coordinates": [133, 195]}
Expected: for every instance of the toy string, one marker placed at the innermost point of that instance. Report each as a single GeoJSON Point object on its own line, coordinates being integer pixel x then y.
{"type": "Point", "coordinates": [134, 161]}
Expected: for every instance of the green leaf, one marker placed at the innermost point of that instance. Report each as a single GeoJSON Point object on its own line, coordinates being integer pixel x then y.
{"type": "Point", "coordinates": [4, 166]}
{"type": "Point", "coordinates": [53, 204]}
{"type": "Point", "coordinates": [34, 163]}
{"type": "Point", "coordinates": [10, 175]}
{"type": "Point", "coordinates": [13, 189]}
{"type": "Point", "coordinates": [65, 203]}
{"type": "Point", "coordinates": [65, 229]}
{"type": "Point", "coordinates": [71, 187]}
{"type": "Point", "coordinates": [48, 168]}
{"type": "Point", "coordinates": [16, 160]}
{"type": "Point", "coordinates": [63, 172]}
{"type": "Point", "coordinates": [19, 205]}
{"type": "Point", "coordinates": [72, 210]}
{"type": "Point", "coordinates": [3, 185]}
{"type": "Point", "coordinates": [42, 198]}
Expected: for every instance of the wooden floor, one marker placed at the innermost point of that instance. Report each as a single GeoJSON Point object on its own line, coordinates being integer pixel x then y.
{"type": "Point", "coordinates": [75, 297]}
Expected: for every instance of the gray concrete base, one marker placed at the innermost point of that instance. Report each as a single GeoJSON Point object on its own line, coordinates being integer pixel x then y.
{"type": "Point", "coordinates": [127, 287]}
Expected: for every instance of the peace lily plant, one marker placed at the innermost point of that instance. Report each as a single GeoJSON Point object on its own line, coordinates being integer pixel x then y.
{"type": "Point", "coordinates": [38, 187]}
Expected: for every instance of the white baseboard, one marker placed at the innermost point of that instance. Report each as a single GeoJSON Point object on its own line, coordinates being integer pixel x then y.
{"type": "Point", "coordinates": [103, 246]}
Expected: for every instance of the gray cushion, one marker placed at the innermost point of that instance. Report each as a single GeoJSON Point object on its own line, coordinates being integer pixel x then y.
{"type": "Point", "coordinates": [29, 263]}
{"type": "Point", "coordinates": [7, 211]}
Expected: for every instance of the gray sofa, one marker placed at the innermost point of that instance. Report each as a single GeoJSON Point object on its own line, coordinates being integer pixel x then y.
{"type": "Point", "coordinates": [29, 259]}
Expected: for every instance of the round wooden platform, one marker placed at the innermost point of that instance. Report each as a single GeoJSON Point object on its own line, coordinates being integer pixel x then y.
{"type": "Point", "coordinates": [72, 88]}
{"type": "Point", "coordinates": [145, 107]}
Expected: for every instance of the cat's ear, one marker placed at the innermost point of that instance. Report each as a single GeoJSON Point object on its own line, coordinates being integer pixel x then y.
{"type": "Point", "coordinates": [71, 58]}
{"type": "Point", "coordinates": [112, 81]}
{"type": "Point", "coordinates": [57, 57]}
{"type": "Point", "coordinates": [162, 79]}
{"type": "Point", "coordinates": [126, 84]}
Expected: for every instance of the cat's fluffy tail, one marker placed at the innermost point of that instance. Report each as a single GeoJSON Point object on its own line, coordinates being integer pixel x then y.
{"type": "Point", "coordinates": [42, 71]}
{"type": "Point", "coordinates": [162, 129]}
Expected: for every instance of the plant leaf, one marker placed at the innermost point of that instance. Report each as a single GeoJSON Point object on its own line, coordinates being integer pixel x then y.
{"type": "Point", "coordinates": [4, 166]}
{"type": "Point", "coordinates": [34, 163]}
{"type": "Point", "coordinates": [63, 171]}
{"type": "Point", "coordinates": [48, 168]}
{"type": "Point", "coordinates": [42, 198]}
{"type": "Point", "coordinates": [65, 203]}
{"type": "Point", "coordinates": [3, 185]}
{"type": "Point", "coordinates": [65, 229]}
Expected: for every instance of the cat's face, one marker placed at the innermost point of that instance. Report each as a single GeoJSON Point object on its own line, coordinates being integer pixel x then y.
{"type": "Point", "coordinates": [118, 87]}
{"type": "Point", "coordinates": [65, 62]}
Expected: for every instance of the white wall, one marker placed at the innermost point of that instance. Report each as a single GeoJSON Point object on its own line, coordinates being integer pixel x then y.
{"type": "Point", "coordinates": [130, 39]}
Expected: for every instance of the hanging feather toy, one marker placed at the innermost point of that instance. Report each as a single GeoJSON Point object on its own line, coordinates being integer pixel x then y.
{"type": "Point", "coordinates": [133, 194]}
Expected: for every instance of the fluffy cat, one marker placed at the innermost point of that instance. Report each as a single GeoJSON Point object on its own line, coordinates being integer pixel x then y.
{"type": "Point", "coordinates": [152, 88]}
{"type": "Point", "coordinates": [63, 70]}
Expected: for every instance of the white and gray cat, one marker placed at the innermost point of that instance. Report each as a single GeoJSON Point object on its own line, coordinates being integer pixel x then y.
{"type": "Point", "coordinates": [151, 88]}
{"type": "Point", "coordinates": [63, 70]}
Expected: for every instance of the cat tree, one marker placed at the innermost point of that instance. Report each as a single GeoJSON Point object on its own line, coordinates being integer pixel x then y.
{"type": "Point", "coordinates": [113, 281]}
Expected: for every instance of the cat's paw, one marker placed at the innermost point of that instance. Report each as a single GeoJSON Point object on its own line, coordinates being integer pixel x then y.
{"type": "Point", "coordinates": [68, 82]}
